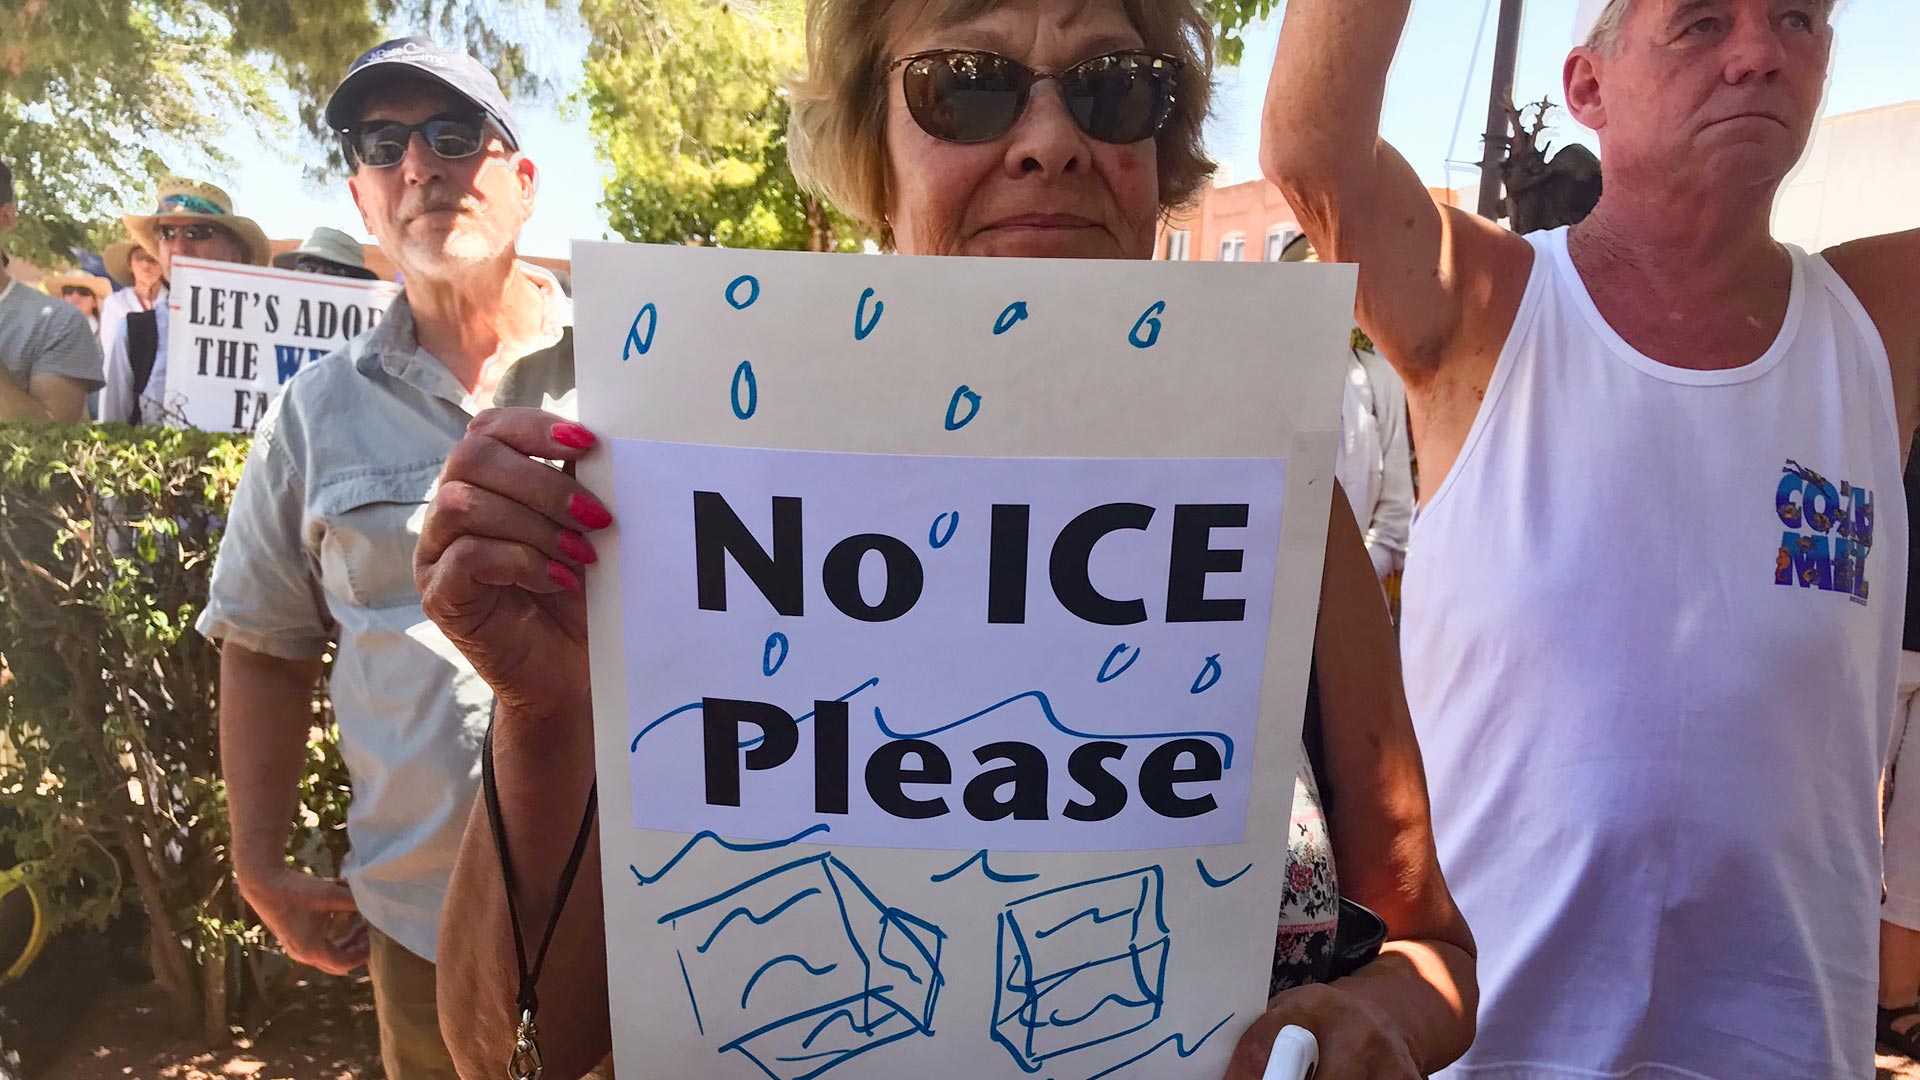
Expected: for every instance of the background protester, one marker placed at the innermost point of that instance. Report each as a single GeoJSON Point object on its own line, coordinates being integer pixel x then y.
{"type": "Point", "coordinates": [140, 287]}
{"type": "Point", "coordinates": [1899, 1014]}
{"type": "Point", "coordinates": [49, 359]}
{"type": "Point", "coordinates": [86, 292]}
{"type": "Point", "coordinates": [1375, 459]}
{"type": "Point", "coordinates": [327, 513]}
{"type": "Point", "coordinates": [330, 252]}
{"type": "Point", "coordinates": [190, 218]}
{"type": "Point", "coordinates": [504, 542]}
{"type": "Point", "coordinates": [1653, 603]}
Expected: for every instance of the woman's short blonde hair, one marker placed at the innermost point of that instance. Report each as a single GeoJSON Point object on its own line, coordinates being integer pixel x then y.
{"type": "Point", "coordinates": [836, 140]}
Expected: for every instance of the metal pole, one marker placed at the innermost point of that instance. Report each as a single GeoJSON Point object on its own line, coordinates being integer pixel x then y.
{"type": "Point", "coordinates": [1506, 52]}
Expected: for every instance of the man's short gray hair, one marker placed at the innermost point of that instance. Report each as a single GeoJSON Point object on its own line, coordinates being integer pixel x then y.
{"type": "Point", "coordinates": [1605, 35]}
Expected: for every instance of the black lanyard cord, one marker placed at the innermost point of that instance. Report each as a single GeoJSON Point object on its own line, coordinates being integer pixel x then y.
{"type": "Point", "coordinates": [527, 1000]}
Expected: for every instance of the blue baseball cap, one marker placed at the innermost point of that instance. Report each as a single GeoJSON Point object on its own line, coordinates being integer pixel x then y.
{"type": "Point", "coordinates": [420, 58]}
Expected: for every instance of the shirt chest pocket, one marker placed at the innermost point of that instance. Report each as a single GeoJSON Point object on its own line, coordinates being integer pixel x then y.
{"type": "Point", "coordinates": [369, 525]}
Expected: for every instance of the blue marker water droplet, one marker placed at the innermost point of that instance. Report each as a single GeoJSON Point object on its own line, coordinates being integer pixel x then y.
{"type": "Point", "coordinates": [1150, 322]}
{"type": "Point", "coordinates": [1014, 313]}
{"type": "Point", "coordinates": [637, 341]}
{"type": "Point", "coordinates": [743, 375]}
{"type": "Point", "coordinates": [862, 326]}
{"type": "Point", "coordinates": [1107, 674]}
{"type": "Point", "coordinates": [954, 421]}
{"type": "Point", "coordinates": [769, 663]}
{"type": "Point", "coordinates": [1209, 674]}
{"type": "Point", "coordinates": [938, 539]}
{"type": "Point", "coordinates": [733, 292]}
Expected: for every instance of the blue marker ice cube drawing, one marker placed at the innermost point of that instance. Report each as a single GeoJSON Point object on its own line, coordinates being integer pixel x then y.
{"type": "Point", "coordinates": [833, 971]}
{"type": "Point", "coordinates": [1080, 965]}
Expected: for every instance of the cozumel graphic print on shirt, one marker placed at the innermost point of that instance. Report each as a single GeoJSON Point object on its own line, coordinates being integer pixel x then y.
{"type": "Point", "coordinates": [1829, 532]}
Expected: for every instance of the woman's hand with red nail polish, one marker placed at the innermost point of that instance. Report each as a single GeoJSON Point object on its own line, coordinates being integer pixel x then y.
{"type": "Point", "coordinates": [501, 553]}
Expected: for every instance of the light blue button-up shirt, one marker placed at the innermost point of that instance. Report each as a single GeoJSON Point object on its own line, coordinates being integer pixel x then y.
{"type": "Point", "coordinates": [319, 547]}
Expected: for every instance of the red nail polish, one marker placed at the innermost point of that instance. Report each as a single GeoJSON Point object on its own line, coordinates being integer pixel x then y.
{"type": "Point", "coordinates": [562, 576]}
{"type": "Point", "coordinates": [589, 512]}
{"type": "Point", "coordinates": [575, 547]}
{"type": "Point", "coordinates": [573, 435]}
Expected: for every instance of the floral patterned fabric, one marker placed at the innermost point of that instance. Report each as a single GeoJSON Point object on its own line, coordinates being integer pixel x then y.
{"type": "Point", "coordinates": [1310, 901]}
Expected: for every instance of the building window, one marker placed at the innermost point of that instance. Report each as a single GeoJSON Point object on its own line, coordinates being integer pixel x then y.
{"type": "Point", "coordinates": [1278, 238]}
{"type": "Point", "coordinates": [1233, 248]}
{"type": "Point", "coordinates": [1177, 240]}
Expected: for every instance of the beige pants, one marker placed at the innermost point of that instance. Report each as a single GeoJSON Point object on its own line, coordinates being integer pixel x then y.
{"type": "Point", "coordinates": [403, 999]}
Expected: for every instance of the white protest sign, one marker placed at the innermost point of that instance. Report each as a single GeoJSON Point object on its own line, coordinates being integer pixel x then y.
{"type": "Point", "coordinates": [236, 334]}
{"type": "Point", "coordinates": [950, 652]}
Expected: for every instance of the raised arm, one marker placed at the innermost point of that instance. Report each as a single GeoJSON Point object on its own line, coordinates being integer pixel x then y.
{"type": "Point", "coordinates": [1438, 286]}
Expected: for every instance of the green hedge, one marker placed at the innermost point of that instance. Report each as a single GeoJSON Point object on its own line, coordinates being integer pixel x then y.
{"type": "Point", "coordinates": [109, 746]}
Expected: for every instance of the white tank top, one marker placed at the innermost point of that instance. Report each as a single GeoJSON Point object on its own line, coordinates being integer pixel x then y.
{"type": "Point", "coordinates": [1652, 627]}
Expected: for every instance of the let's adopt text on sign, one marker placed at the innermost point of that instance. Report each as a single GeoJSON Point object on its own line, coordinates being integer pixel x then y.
{"type": "Point", "coordinates": [950, 653]}
{"type": "Point", "coordinates": [236, 334]}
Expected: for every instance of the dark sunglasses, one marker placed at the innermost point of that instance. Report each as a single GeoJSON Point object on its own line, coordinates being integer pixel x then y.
{"type": "Point", "coordinates": [381, 144]}
{"type": "Point", "coordinates": [68, 292]}
{"type": "Point", "coordinates": [199, 234]}
{"type": "Point", "coordinates": [970, 96]}
{"type": "Point", "coordinates": [307, 264]}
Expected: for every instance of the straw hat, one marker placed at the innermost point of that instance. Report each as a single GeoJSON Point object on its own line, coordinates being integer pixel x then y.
{"type": "Point", "coordinates": [329, 245]}
{"type": "Point", "coordinates": [56, 280]}
{"type": "Point", "coordinates": [186, 201]}
{"type": "Point", "coordinates": [119, 260]}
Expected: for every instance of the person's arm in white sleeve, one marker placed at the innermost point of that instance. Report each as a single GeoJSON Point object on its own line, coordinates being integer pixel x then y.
{"type": "Point", "coordinates": [116, 398]}
{"type": "Point", "coordinates": [1393, 513]}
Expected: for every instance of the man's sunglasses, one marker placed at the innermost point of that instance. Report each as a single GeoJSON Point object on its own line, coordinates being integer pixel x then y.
{"type": "Point", "coordinates": [199, 234]}
{"type": "Point", "coordinates": [380, 144]}
{"type": "Point", "coordinates": [969, 96]}
{"type": "Point", "coordinates": [68, 292]}
{"type": "Point", "coordinates": [307, 264]}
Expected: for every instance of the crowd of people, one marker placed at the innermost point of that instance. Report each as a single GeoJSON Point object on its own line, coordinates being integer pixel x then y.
{"type": "Point", "coordinates": [107, 360]}
{"type": "Point", "coordinates": [1632, 730]}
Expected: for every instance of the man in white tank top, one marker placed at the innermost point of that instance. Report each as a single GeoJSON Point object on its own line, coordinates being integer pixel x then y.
{"type": "Point", "coordinates": [1653, 594]}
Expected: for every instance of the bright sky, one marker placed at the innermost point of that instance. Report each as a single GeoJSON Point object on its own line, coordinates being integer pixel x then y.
{"type": "Point", "coordinates": [1874, 66]}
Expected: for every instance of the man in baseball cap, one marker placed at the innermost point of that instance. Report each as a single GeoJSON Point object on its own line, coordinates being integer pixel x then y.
{"type": "Point", "coordinates": [322, 531]}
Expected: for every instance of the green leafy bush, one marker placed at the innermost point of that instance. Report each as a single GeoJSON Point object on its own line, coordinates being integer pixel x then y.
{"type": "Point", "coordinates": [109, 745]}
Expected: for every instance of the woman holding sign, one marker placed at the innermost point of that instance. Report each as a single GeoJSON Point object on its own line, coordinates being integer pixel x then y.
{"type": "Point", "coordinates": [1045, 128]}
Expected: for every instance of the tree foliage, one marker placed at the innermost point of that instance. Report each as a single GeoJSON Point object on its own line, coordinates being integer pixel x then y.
{"type": "Point", "coordinates": [99, 98]}
{"type": "Point", "coordinates": [686, 104]}
{"type": "Point", "coordinates": [109, 752]}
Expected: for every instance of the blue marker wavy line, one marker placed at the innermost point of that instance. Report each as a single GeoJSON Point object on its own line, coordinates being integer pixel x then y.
{"type": "Point", "coordinates": [789, 958]}
{"type": "Point", "coordinates": [1106, 674]}
{"type": "Point", "coordinates": [1219, 883]}
{"type": "Point", "coordinates": [757, 920]}
{"type": "Point", "coordinates": [709, 834]}
{"type": "Point", "coordinates": [749, 743]}
{"type": "Point", "coordinates": [1180, 1047]}
{"type": "Point", "coordinates": [1046, 708]}
{"type": "Point", "coordinates": [1090, 913]}
{"type": "Point", "coordinates": [1201, 682]}
{"type": "Point", "coordinates": [992, 874]}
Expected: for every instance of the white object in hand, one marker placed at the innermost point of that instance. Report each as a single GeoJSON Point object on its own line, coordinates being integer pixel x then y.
{"type": "Point", "coordinates": [1295, 1055]}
